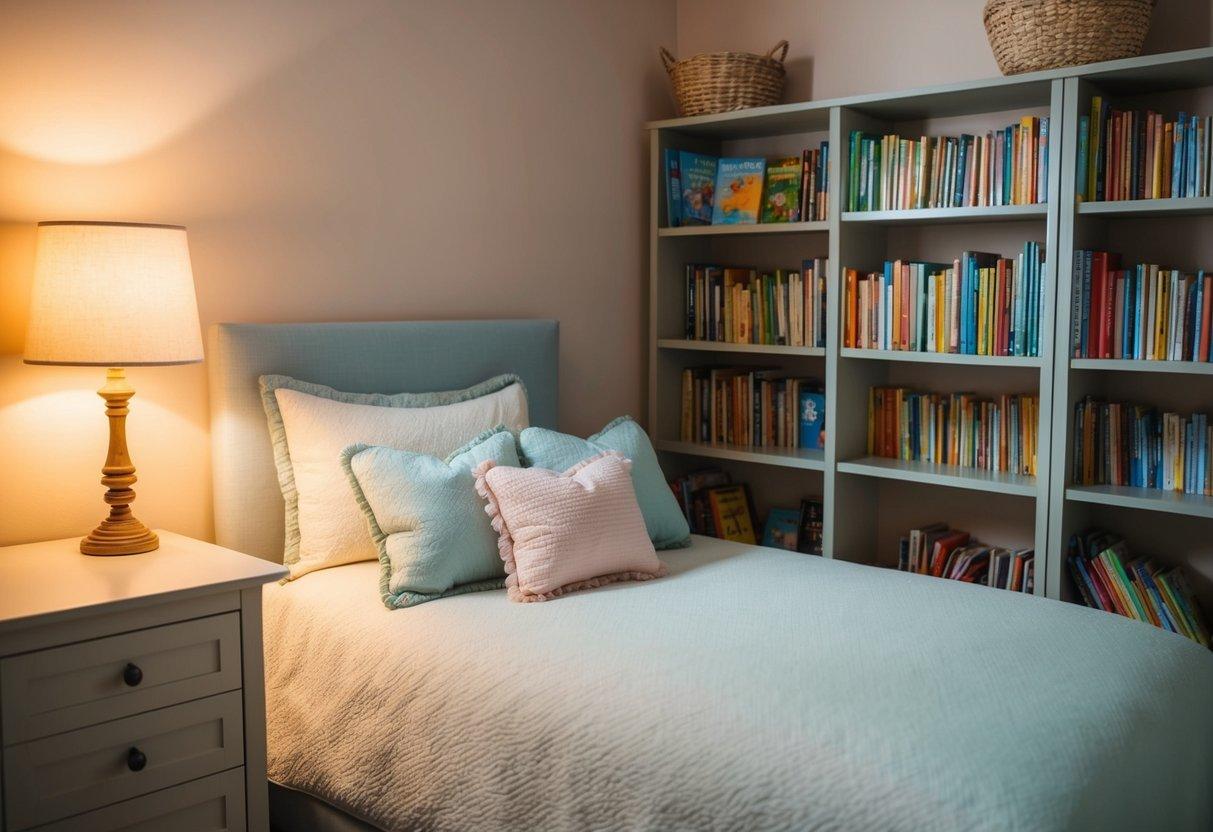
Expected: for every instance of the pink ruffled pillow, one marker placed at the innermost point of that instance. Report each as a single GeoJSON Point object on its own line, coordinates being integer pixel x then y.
{"type": "Point", "coordinates": [560, 533]}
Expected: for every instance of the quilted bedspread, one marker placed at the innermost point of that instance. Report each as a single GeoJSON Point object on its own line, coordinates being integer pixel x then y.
{"type": "Point", "coordinates": [751, 689]}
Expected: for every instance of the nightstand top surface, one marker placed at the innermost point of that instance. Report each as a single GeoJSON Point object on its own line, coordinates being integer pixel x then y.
{"type": "Point", "coordinates": [40, 582]}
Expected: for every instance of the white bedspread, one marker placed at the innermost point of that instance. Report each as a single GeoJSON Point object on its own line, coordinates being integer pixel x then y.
{"type": "Point", "coordinates": [752, 689]}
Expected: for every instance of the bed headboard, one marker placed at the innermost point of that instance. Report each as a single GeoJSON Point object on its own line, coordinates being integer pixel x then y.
{"type": "Point", "coordinates": [383, 357]}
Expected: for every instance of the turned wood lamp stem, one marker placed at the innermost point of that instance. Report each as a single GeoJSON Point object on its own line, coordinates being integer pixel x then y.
{"type": "Point", "coordinates": [121, 533]}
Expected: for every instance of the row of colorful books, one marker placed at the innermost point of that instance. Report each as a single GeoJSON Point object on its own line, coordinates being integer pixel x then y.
{"type": "Point", "coordinates": [796, 529]}
{"type": "Point", "coordinates": [980, 304]}
{"type": "Point", "coordinates": [1147, 312]}
{"type": "Point", "coordinates": [1119, 443]}
{"type": "Point", "coordinates": [954, 429]}
{"type": "Point", "coordinates": [1107, 577]}
{"type": "Point", "coordinates": [711, 190]}
{"type": "Point", "coordinates": [1003, 167]}
{"type": "Point", "coordinates": [948, 553]}
{"type": "Point", "coordinates": [752, 407]}
{"type": "Point", "coordinates": [744, 306]}
{"type": "Point", "coordinates": [1128, 154]}
{"type": "Point", "coordinates": [714, 505]}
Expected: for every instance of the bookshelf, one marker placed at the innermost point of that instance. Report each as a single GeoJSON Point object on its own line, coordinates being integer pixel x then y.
{"type": "Point", "coordinates": [869, 501]}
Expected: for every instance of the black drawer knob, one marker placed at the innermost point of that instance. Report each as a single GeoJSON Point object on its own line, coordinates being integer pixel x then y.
{"type": "Point", "coordinates": [132, 675]}
{"type": "Point", "coordinates": [136, 760]}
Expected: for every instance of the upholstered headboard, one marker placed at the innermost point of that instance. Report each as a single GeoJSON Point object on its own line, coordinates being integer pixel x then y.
{"type": "Point", "coordinates": [386, 357]}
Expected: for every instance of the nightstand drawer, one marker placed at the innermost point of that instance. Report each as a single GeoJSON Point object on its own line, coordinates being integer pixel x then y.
{"type": "Point", "coordinates": [50, 691]}
{"type": "Point", "coordinates": [210, 804]}
{"type": "Point", "coordinates": [56, 777]}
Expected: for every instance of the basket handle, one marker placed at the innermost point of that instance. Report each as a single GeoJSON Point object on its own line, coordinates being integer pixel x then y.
{"type": "Point", "coordinates": [667, 59]}
{"type": "Point", "coordinates": [782, 49]}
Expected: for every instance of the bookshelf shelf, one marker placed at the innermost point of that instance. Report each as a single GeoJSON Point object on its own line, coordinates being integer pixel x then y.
{"type": "Point", "coordinates": [736, 230]}
{"type": "Point", "coordinates": [749, 349]}
{"type": "Point", "coordinates": [1187, 206]}
{"type": "Point", "coordinates": [1149, 499]}
{"type": "Point", "coordinates": [927, 216]}
{"type": "Point", "coordinates": [860, 519]}
{"type": "Point", "coordinates": [783, 457]}
{"type": "Point", "coordinates": [1195, 368]}
{"type": "Point", "coordinates": [943, 358]}
{"type": "Point", "coordinates": [951, 476]}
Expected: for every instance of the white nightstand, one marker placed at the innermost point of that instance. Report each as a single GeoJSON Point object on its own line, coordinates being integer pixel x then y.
{"type": "Point", "coordinates": [131, 688]}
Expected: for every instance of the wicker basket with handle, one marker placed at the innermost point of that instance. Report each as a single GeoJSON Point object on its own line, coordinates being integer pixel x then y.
{"type": "Point", "coordinates": [723, 81]}
{"type": "Point", "coordinates": [1028, 35]}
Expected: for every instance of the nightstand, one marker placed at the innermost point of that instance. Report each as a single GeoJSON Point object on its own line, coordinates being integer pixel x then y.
{"type": "Point", "coordinates": [131, 688]}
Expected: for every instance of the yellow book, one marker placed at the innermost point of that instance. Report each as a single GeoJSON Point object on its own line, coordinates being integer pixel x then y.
{"type": "Point", "coordinates": [895, 339]}
{"type": "Point", "coordinates": [1093, 144]}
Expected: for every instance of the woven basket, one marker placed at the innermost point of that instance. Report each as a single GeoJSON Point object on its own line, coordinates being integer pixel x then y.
{"type": "Point", "coordinates": [724, 81]}
{"type": "Point", "coordinates": [1028, 35]}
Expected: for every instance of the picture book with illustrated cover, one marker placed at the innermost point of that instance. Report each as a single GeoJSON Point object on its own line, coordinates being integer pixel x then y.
{"type": "Point", "coordinates": [812, 419]}
{"type": "Point", "coordinates": [673, 188]}
{"type": "Point", "coordinates": [731, 513]}
{"type": "Point", "coordinates": [781, 194]}
{"type": "Point", "coordinates": [812, 525]}
{"type": "Point", "coordinates": [697, 174]}
{"type": "Point", "coordinates": [782, 530]}
{"type": "Point", "coordinates": [738, 195]}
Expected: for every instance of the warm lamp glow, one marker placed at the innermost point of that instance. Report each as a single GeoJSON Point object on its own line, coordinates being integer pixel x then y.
{"type": "Point", "coordinates": [112, 295]}
{"type": "Point", "coordinates": [115, 295]}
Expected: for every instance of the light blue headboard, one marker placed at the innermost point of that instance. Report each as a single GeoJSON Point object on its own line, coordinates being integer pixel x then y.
{"type": "Point", "coordinates": [386, 357]}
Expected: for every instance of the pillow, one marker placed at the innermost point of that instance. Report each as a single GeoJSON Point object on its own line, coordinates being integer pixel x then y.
{"type": "Point", "coordinates": [426, 519]}
{"type": "Point", "coordinates": [663, 517]}
{"type": "Point", "coordinates": [558, 533]}
{"type": "Point", "coordinates": [310, 425]}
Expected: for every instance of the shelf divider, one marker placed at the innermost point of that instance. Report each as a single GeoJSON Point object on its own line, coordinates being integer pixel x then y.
{"type": "Point", "coordinates": [811, 460]}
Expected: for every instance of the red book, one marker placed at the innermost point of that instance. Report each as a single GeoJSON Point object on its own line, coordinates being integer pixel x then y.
{"type": "Point", "coordinates": [1099, 261]}
{"type": "Point", "coordinates": [943, 548]}
{"type": "Point", "coordinates": [1118, 279]}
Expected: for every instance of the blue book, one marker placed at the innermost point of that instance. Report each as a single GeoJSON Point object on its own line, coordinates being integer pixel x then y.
{"type": "Point", "coordinates": [1177, 160]}
{"type": "Point", "coordinates": [698, 177]}
{"type": "Point", "coordinates": [782, 529]}
{"type": "Point", "coordinates": [812, 419]}
{"type": "Point", "coordinates": [1076, 307]}
{"type": "Point", "coordinates": [1084, 129]}
{"type": "Point", "coordinates": [1086, 301]}
{"type": "Point", "coordinates": [1192, 122]}
{"type": "Point", "coordinates": [961, 162]}
{"type": "Point", "coordinates": [738, 196]}
{"type": "Point", "coordinates": [673, 189]}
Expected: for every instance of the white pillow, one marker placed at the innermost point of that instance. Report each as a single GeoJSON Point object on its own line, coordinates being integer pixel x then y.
{"type": "Point", "coordinates": [311, 425]}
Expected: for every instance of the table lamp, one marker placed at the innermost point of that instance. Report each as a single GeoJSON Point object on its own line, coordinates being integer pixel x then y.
{"type": "Point", "coordinates": [115, 295]}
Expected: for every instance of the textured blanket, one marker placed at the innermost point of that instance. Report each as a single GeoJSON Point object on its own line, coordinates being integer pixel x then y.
{"type": "Point", "coordinates": [751, 689]}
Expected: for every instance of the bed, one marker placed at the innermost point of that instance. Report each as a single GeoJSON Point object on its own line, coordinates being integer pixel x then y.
{"type": "Point", "coordinates": [750, 689]}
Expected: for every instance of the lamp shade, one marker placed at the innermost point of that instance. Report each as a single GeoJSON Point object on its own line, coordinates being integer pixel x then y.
{"type": "Point", "coordinates": [114, 295]}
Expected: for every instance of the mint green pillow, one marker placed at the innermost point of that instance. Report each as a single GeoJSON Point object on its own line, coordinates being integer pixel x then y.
{"type": "Point", "coordinates": [427, 520]}
{"type": "Point", "coordinates": [666, 524]}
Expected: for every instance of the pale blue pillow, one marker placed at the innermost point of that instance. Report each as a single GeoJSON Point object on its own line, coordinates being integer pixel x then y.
{"type": "Point", "coordinates": [666, 524]}
{"type": "Point", "coordinates": [427, 520]}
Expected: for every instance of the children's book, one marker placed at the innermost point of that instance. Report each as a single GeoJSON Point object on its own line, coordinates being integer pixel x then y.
{"type": "Point", "coordinates": [673, 189]}
{"type": "Point", "coordinates": [781, 194]}
{"type": "Point", "coordinates": [731, 513]}
{"type": "Point", "coordinates": [812, 523]}
{"type": "Point", "coordinates": [812, 419]}
{"type": "Point", "coordinates": [698, 179]}
{"type": "Point", "coordinates": [738, 195]}
{"type": "Point", "coordinates": [782, 530]}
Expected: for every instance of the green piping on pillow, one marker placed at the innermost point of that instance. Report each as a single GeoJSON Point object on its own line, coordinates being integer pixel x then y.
{"type": "Point", "coordinates": [489, 560]}
{"type": "Point", "coordinates": [282, 455]}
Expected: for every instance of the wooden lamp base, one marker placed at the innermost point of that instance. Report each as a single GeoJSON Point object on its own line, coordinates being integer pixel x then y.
{"type": "Point", "coordinates": [121, 533]}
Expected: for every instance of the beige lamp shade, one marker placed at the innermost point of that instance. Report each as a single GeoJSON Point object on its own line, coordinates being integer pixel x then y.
{"type": "Point", "coordinates": [113, 295]}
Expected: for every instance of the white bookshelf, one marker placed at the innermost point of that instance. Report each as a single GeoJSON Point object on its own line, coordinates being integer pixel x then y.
{"type": "Point", "coordinates": [865, 497]}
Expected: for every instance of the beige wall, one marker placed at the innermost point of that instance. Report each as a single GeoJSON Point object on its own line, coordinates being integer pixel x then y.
{"type": "Point", "coordinates": [333, 161]}
{"type": "Point", "coordinates": [378, 159]}
{"type": "Point", "coordinates": [845, 47]}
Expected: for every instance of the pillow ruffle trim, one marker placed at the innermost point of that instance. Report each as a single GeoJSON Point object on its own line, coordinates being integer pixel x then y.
{"type": "Point", "coordinates": [505, 540]}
